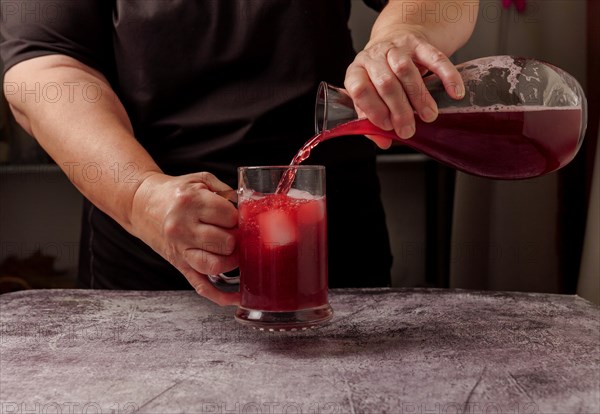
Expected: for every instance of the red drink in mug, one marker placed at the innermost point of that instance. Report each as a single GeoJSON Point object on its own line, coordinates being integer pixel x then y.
{"type": "Point", "coordinates": [283, 249]}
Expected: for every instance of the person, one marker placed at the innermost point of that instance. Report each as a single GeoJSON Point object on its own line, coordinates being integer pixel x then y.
{"type": "Point", "coordinates": [149, 106]}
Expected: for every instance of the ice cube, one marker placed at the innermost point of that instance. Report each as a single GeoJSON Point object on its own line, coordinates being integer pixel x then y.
{"type": "Point", "coordinates": [311, 212]}
{"type": "Point", "coordinates": [247, 194]}
{"type": "Point", "coordinates": [300, 194]}
{"type": "Point", "coordinates": [276, 228]}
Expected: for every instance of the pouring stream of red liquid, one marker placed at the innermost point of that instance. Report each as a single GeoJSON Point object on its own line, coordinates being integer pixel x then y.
{"type": "Point", "coordinates": [504, 144]}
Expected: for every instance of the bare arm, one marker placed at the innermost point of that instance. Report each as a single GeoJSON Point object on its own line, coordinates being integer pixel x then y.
{"type": "Point", "coordinates": [77, 118]}
{"type": "Point", "coordinates": [87, 126]}
{"type": "Point", "coordinates": [407, 39]}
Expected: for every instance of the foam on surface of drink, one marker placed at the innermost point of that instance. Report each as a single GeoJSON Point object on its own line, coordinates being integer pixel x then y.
{"type": "Point", "coordinates": [503, 109]}
{"type": "Point", "coordinates": [484, 65]}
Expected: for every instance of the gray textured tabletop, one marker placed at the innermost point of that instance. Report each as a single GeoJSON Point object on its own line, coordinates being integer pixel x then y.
{"type": "Point", "coordinates": [397, 351]}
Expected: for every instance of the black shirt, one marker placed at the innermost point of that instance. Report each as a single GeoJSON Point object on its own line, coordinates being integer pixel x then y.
{"type": "Point", "coordinates": [210, 85]}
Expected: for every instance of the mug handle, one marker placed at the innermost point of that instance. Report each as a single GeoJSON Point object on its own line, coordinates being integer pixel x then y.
{"type": "Point", "coordinates": [226, 283]}
{"type": "Point", "coordinates": [222, 281]}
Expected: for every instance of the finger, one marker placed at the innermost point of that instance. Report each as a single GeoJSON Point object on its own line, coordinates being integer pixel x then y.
{"type": "Point", "coordinates": [202, 236]}
{"type": "Point", "coordinates": [206, 289]}
{"type": "Point", "coordinates": [422, 70]}
{"type": "Point", "coordinates": [213, 239]}
{"type": "Point", "coordinates": [437, 62]}
{"type": "Point", "coordinates": [381, 142]}
{"type": "Point", "coordinates": [209, 263]}
{"type": "Point", "coordinates": [409, 75]}
{"type": "Point", "coordinates": [392, 91]}
{"type": "Point", "coordinates": [198, 204]}
{"type": "Point", "coordinates": [366, 98]}
{"type": "Point", "coordinates": [216, 210]}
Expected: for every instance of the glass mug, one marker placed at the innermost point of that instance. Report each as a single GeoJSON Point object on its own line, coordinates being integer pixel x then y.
{"type": "Point", "coordinates": [282, 248]}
